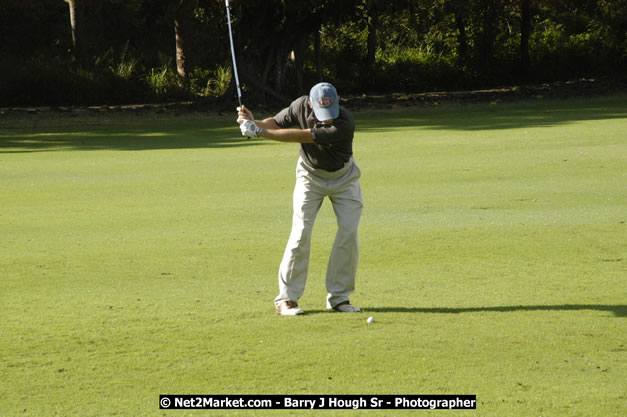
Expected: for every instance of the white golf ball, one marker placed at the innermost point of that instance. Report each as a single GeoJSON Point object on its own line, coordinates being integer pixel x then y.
{"type": "Point", "coordinates": [370, 319]}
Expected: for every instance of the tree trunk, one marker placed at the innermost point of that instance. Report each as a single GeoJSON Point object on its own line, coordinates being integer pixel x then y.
{"type": "Point", "coordinates": [183, 18]}
{"type": "Point", "coordinates": [278, 70]}
{"type": "Point", "coordinates": [318, 53]}
{"type": "Point", "coordinates": [264, 78]}
{"type": "Point", "coordinates": [413, 21]}
{"type": "Point", "coordinates": [299, 63]}
{"type": "Point", "coordinates": [373, 23]}
{"type": "Point", "coordinates": [462, 39]}
{"type": "Point", "coordinates": [488, 33]}
{"type": "Point", "coordinates": [525, 33]}
{"type": "Point", "coordinates": [76, 22]}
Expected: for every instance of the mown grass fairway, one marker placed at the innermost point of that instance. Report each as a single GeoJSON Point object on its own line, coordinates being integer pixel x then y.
{"type": "Point", "coordinates": [138, 257]}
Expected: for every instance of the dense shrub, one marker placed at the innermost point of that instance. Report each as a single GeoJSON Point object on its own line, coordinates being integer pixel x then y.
{"type": "Point", "coordinates": [128, 53]}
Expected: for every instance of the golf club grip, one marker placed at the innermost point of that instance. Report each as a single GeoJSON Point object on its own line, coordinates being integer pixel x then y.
{"type": "Point", "coordinates": [239, 108]}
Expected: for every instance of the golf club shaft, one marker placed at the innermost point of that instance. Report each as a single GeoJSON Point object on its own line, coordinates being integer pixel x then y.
{"type": "Point", "coordinates": [239, 91]}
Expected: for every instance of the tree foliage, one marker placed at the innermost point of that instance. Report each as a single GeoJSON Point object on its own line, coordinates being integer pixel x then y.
{"type": "Point", "coordinates": [114, 51]}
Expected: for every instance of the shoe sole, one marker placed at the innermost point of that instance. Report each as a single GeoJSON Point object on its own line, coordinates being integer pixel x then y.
{"type": "Point", "coordinates": [300, 313]}
{"type": "Point", "coordinates": [358, 310]}
{"type": "Point", "coordinates": [289, 312]}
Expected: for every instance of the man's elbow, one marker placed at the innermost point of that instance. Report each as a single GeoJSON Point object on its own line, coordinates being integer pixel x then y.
{"type": "Point", "coordinates": [307, 136]}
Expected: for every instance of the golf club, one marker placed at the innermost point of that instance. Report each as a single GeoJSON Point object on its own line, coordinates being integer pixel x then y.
{"type": "Point", "coordinates": [239, 91]}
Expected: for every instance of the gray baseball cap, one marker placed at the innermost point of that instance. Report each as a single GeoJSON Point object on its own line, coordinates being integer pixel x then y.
{"type": "Point", "coordinates": [325, 102]}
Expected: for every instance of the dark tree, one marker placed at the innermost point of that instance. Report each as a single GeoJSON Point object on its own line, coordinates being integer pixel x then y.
{"type": "Point", "coordinates": [76, 26]}
{"type": "Point", "coordinates": [525, 34]}
{"type": "Point", "coordinates": [373, 23]}
{"type": "Point", "coordinates": [183, 32]}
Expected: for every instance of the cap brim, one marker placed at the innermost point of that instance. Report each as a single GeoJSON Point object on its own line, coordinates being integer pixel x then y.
{"type": "Point", "coordinates": [327, 113]}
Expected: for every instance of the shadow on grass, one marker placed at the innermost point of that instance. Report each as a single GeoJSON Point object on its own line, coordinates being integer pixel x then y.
{"type": "Point", "coordinates": [618, 310]}
{"type": "Point", "coordinates": [136, 138]}
{"type": "Point", "coordinates": [152, 134]}
{"type": "Point", "coordinates": [498, 116]}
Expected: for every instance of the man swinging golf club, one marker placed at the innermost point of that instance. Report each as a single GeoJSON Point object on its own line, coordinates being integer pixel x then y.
{"type": "Point", "coordinates": [325, 168]}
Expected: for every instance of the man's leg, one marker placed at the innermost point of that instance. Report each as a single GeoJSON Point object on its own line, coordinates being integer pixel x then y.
{"type": "Point", "coordinates": [295, 264]}
{"type": "Point", "coordinates": [342, 267]}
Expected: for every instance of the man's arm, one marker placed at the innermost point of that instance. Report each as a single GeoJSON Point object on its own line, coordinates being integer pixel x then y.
{"type": "Point", "coordinates": [271, 130]}
{"type": "Point", "coordinates": [268, 123]}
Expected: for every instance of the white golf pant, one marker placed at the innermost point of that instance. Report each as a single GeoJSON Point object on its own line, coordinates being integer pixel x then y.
{"type": "Point", "coordinates": [312, 186]}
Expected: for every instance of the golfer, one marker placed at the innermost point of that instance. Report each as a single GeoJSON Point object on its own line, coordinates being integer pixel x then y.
{"type": "Point", "coordinates": [325, 168]}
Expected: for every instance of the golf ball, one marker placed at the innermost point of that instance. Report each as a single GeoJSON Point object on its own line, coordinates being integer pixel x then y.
{"type": "Point", "coordinates": [370, 319]}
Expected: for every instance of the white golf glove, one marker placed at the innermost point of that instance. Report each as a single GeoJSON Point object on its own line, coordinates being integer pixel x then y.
{"type": "Point", "coordinates": [250, 129]}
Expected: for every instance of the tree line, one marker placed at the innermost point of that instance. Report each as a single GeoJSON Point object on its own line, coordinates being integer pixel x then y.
{"type": "Point", "coordinates": [60, 52]}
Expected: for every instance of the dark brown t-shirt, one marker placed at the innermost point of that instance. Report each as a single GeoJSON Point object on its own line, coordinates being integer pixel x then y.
{"type": "Point", "coordinates": [333, 143]}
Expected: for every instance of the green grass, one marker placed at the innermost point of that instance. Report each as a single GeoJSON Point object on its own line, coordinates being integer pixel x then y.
{"type": "Point", "coordinates": [138, 257]}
